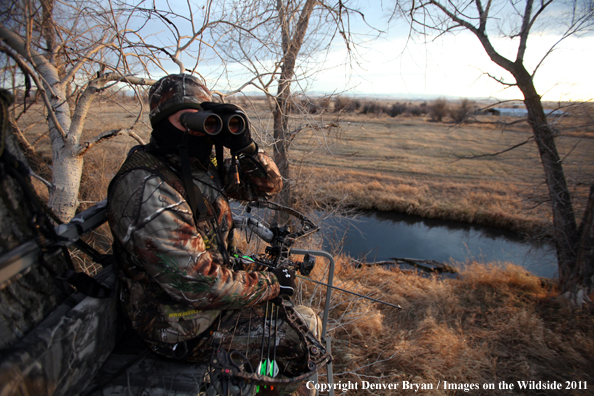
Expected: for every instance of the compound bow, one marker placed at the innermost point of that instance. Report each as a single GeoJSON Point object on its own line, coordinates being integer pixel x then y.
{"type": "Point", "coordinates": [231, 372]}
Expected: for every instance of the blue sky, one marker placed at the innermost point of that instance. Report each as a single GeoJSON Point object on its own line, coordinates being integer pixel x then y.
{"type": "Point", "coordinates": [452, 65]}
{"type": "Point", "coordinates": [455, 65]}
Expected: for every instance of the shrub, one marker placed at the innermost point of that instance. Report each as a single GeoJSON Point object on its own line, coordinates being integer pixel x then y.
{"type": "Point", "coordinates": [374, 108]}
{"type": "Point", "coordinates": [308, 105]}
{"type": "Point", "coordinates": [417, 110]}
{"type": "Point", "coordinates": [461, 113]}
{"type": "Point", "coordinates": [345, 104]}
{"type": "Point", "coordinates": [397, 109]}
{"type": "Point", "coordinates": [438, 109]}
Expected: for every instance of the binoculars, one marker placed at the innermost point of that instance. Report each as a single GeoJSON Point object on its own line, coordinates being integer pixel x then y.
{"type": "Point", "coordinates": [212, 124]}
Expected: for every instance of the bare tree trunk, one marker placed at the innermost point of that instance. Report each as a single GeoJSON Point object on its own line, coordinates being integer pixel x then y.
{"type": "Point", "coordinates": [585, 248]}
{"type": "Point", "coordinates": [573, 278]}
{"type": "Point", "coordinates": [63, 197]}
{"type": "Point", "coordinates": [66, 164]}
{"type": "Point", "coordinates": [65, 130]}
{"type": "Point", "coordinates": [574, 246]}
{"type": "Point", "coordinates": [281, 143]}
{"type": "Point", "coordinates": [67, 171]}
{"type": "Point", "coordinates": [575, 253]}
{"type": "Point", "coordinates": [564, 222]}
{"type": "Point", "coordinates": [291, 45]}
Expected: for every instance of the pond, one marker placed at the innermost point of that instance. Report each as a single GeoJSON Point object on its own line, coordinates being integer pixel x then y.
{"type": "Point", "coordinates": [379, 236]}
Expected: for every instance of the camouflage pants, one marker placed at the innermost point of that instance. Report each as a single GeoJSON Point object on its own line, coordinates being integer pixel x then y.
{"type": "Point", "coordinates": [257, 333]}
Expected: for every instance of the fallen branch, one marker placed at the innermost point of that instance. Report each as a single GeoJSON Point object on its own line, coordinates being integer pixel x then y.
{"type": "Point", "coordinates": [425, 265]}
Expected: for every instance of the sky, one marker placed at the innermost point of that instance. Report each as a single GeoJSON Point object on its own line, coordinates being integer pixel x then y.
{"type": "Point", "coordinates": [453, 66]}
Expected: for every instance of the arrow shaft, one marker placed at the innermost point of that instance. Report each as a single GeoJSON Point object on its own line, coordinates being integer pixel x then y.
{"type": "Point", "coordinates": [350, 292]}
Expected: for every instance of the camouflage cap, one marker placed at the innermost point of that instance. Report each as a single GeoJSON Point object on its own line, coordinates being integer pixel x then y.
{"type": "Point", "coordinates": [173, 93]}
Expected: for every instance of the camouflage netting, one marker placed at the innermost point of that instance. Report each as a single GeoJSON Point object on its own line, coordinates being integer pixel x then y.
{"type": "Point", "coordinates": [50, 344]}
{"type": "Point", "coordinates": [63, 353]}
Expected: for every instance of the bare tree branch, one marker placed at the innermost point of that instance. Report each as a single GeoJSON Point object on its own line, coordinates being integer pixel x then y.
{"type": "Point", "coordinates": [460, 157]}
{"type": "Point", "coordinates": [500, 80]}
{"type": "Point", "coordinates": [108, 135]}
{"type": "Point", "coordinates": [38, 83]}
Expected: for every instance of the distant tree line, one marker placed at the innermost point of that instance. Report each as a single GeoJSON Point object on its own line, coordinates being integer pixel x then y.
{"type": "Point", "coordinates": [437, 110]}
{"type": "Point", "coordinates": [378, 107]}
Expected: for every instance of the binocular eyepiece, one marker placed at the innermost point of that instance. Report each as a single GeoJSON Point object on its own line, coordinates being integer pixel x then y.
{"type": "Point", "coordinates": [212, 124]}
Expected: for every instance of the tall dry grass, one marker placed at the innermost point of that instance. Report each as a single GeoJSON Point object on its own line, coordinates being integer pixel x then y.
{"type": "Point", "coordinates": [494, 324]}
{"type": "Point", "coordinates": [497, 203]}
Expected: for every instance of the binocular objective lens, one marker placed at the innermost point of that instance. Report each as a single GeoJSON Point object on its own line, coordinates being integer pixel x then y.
{"type": "Point", "coordinates": [212, 125]}
{"type": "Point", "coordinates": [236, 125]}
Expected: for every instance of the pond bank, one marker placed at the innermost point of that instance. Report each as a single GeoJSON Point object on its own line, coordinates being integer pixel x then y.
{"type": "Point", "coordinates": [494, 203]}
{"type": "Point", "coordinates": [379, 236]}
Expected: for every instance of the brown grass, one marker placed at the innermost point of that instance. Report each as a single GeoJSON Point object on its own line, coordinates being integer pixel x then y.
{"type": "Point", "coordinates": [410, 165]}
{"type": "Point", "coordinates": [492, 325]}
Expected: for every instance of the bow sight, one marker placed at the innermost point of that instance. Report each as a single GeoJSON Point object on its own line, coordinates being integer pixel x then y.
{"type": "Point", "coordinates": [281, 240]}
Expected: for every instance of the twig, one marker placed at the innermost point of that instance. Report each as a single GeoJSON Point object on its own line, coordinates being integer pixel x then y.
{"type": "Point", "coordinates": [497, 153]}
{"type": "Point", "coordinates": [108, 135]}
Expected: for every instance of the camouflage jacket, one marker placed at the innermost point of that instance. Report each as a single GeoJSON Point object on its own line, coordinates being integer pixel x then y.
{"type": "Point", "coordinates": [175, 278]}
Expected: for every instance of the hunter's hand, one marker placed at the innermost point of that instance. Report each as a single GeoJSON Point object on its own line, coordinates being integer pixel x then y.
{"type": "Point", "coordinates": [286, 279]}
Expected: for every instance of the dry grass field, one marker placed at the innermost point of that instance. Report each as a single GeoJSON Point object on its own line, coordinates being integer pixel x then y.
{"type": "Point", "coordinates": [493, 324]}
{"type": "Point", "coordinates": [412, 165]}
{"type": "Point", "coordinates": [405, 163]}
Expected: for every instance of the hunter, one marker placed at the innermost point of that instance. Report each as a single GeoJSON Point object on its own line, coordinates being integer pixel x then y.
{"type": "Point", "coordinates": [173, 234]}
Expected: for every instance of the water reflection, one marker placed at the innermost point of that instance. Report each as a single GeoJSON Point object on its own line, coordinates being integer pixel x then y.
{"type": "Point", "coordinates": [380, 236]}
